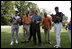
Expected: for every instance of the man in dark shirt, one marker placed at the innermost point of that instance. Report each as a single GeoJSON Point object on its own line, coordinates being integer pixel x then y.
{"type": "Point", "coordinates": [57, 25]}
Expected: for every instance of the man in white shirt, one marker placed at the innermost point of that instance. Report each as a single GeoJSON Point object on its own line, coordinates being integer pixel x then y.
{"type": "Point", "coordinates": [15, 27]}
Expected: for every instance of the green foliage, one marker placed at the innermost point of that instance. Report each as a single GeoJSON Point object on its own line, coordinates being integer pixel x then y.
{"type": "Point", "coordinates": [65, 18]}
{"type": "Point", "coordinates": [6, 11]}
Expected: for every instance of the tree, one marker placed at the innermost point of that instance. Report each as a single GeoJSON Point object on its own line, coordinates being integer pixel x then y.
{"type": "Point", "coordinates": [65, 18]}
{"type": "Point", "coordinates": [6, 11]}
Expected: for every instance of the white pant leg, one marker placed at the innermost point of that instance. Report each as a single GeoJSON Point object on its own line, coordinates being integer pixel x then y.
{"type": "Point", "coordinates": [17, 31]}
{"type": "Point", "coordinates": [12, 31]}
{"type": "Point", "coordinates": [58, 33]}
{"type": "Point", "coordinates": [58, 27]}
{"type": "Point", "coordinates": [55, 30]}
{"type": "Point", "coordinates": [69, 34]}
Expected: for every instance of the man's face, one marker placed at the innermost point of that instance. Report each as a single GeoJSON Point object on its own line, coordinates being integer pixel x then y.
{"type": "Point", "coordinates": [16, 13]}
{"type": "Point", "coordinates": [32, 12]}
{"type": "Point", "coordinates": [45, 14]}
{"type": "Point", "coordinates": [26, 13]}
{"type": "Point", "coordinates": [35, 12]}
{"type": "Point", "coordinates": [56, 10]}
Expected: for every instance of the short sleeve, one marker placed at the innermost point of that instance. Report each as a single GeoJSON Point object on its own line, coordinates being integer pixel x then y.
{"type": "Point", "coordinates": [40, 18]}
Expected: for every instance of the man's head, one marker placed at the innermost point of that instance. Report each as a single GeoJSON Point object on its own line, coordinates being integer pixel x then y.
{"type": "Point", "coordinates": [32, 12]}
{"type": "Point", "coordinates": [16, 13]}
{"type": "Point", "coordinates": [45, 14]}
{"type": "Point", "coordinates": [57, 9]}
{"type": "Point", "coordinates": [27, 12]}
{"type": "Point", "coordinates": [35, 12]}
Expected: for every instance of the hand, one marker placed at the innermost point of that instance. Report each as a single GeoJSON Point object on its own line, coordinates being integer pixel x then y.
{"type": "Point", "coordinates": [66, 28]}
{"type": "Point", "coordinates": [37, 22]}
{"type": "Point", "coordinates": [28, 23]}
{"type": "Point", "coordinates": [58, 18]}
{"type": "Point", "coordinates": [32, 21]}
{"type": "Point", "coordinates": [50, 28]}
{"type": "Point", "coordinates": [51, 14]}
{"type": "Point", "coordinates": [14, 18]}
{"type": "Point", "coordinates": [18, 20]}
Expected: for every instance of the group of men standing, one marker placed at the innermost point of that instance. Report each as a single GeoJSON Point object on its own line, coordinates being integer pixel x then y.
{"type": "Point", "coordinates": [31, 26]}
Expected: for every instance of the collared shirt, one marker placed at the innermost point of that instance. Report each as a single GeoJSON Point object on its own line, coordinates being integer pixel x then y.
{"type": "Point", "coordinates": [60, 14]}
{"type": "Point", "coordinates": [69, 25]}
{"type": "Point", "coordinates": [26, 19]}
{"type": "Point", "coordinates": [36, 18]}
{"type": "Point", "coordinates": [47, 22]}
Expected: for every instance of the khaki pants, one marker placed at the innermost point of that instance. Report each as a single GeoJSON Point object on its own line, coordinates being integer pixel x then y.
{"type": "Point", "coordinates": [47, 35]}
{"type": "Point", "coordinates": [69, 34]}
{"type": "Point", "coordinates": [25, 32]}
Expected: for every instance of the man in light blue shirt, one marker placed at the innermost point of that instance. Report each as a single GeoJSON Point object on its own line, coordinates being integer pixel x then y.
{"type": "Point", "coordinates": [36, 20]}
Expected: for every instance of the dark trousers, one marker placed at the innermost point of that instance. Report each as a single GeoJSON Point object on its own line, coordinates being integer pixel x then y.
{"type": "Point", "coordinates": [31, 33]}
{"type": "Point", "coordinates": [36, 29]}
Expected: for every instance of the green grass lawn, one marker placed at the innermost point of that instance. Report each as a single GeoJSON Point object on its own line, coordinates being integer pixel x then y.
{"type": "Point", "coordinates": [6, 39]}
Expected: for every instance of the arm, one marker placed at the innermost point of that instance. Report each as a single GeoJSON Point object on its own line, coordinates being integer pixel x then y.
{"type": "Point", "coordinates": [11, 19]}
{"type": "Point", "coordinates": [61, 16]}
{"type": "Point", "coordinates": [43, 23]}
{"type": "Point", "coordinates": [50, 23]}
{"type": "Point", "coordinates": [18, 20]}
{"type": "Point", "coordinates": [29, 20]}
{"type": "Point", "coordinates": [23, 20]}
{"type": "Point", "coordinates": [67, 26]}
{"type": "Point", "coordinates": [40, 20]}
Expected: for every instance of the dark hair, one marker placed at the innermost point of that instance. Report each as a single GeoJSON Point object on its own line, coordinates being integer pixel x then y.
{"type": "Point", "coordinates": [56, 7]}
{"type": "Point", "coordinates": [16, 11]}
{"type": "Point", "coordinates": [36, 10]}
{"type": "Point", "coordinates": [32, 11]}
{"type": "Point", "coordinates": [27, 12]}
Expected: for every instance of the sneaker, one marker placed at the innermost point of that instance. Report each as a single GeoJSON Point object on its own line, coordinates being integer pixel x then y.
{"type": "Point", "coordinates": [16, 42]}
{"type": "Point", "coordinates": [11, 43]}
{"type": "Point", "coordinates": [56, 46]}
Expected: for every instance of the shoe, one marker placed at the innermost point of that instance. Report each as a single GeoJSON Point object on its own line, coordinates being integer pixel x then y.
{"type": "Point", "coordinates": [56, 46]}
{"type": "Point", "coordinates": [16, 42]}
{"type": "Point", "coordinates": [11, 43]}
